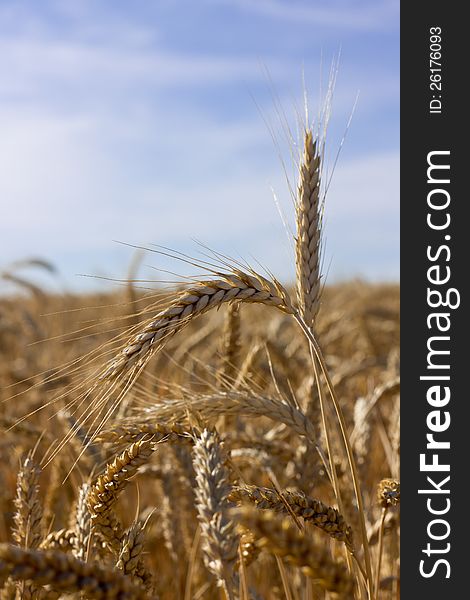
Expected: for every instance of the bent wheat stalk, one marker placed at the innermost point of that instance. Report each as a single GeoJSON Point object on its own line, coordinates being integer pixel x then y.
{"type": "Point", "coordinates": [103, 493]}
{"type": "Point", "coordinates": [132, 432]}
{"type": "Point", "coordinates": [282, 538]}
{"type": "Point", "coordinates": [192, 302]}
{"type": "Point", "coordinates": [324, 517]}
{"type": "Point", "coordinates": [235, 286]}
{"type": "Point", "coordinates": [229, 403]}
{"type": "Point", "coordinates": [65, 573]}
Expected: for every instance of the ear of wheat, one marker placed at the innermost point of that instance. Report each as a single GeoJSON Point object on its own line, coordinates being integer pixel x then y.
{"type": "Point", "coordinates": [104, 492]}
{"type": "Point", "coordinates": [260, 444]}
{"type": "Point", "coordinates": [314, 511]}
{"type": "Point", "coordinates": [281, 537]}
{"type": "Point", "coordinates": [218, 530]}
{"type": "Point", "coordinates": [196, 300]}
{"type": "Point", "coordinates": [309, 228]}
{"type": "Point", "coordinates": [64, 573]}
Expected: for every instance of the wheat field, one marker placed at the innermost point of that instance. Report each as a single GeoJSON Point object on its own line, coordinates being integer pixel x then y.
{"type": "Point", "coordinates": [229, 438]}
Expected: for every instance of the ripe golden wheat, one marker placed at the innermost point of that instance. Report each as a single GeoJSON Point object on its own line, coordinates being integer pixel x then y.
{"type": "Point", "coordinates": [246, 453]}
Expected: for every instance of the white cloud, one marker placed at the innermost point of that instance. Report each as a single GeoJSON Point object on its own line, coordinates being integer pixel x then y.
{"type": "Point", "coordinates": [337, 14]}
{"type": "Point", "coordinates": [31, 64]}
{"type": "Point", "coordinates": [92, 151]}
{"type": "Point", "coordinates": [65, 194]}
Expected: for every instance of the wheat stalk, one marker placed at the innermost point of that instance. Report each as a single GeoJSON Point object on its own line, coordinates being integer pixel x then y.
{"type": "Point", "coordinates": [363, 432]}
{"type": "Point", "coordinates": [28, 516]}
{"type": "Point", "coordinates": [132, 545]}
{"type": "Point", "coordinates": [171, 512]}
{"type": "Point", "coordinates": [232, 402]}
{"type": "Point", "coordinates": [63, 539]}
{"type": "Point", "coordinates": [282, 538]}
{"type": "Point", "coordinates": [326, 518]}
{"type": "Point", "coordinates": [318, 358]}
{"type": "Point", "coordinates": [159, 432]}
{"type": "Point", "coordinates": [65, 573]}
{"type": "Point", "coordinates": [308, 220]}
{"type": "Point", "coordinates": [27, 519]}
{"type": "Point", "coordinates": [194, 301]}
{"type": "Point", "coordinates": [104, 492]}
{"type": "Point", "coordinates": [83, 525]}
{"type": "Point", "coordinates": [217, 528]}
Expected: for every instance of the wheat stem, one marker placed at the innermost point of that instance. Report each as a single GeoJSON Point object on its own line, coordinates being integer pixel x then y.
{"type": "Point", "coordinates": [352, 464]}
{"type": "Point", "coordinates": [380, 549]}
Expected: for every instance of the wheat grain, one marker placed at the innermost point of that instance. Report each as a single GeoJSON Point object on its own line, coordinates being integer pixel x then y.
{"type": "Point", "coordinates": [249, 550]}
{"type": "Point", "coordinates": [28, 515]}
{"type": "Point", "coordinates": [83, 525]}
{"type": "Point", "coordinates": [196, 300]}
{"type": "Point", "coordinates": [232, 402]}
{"type": "Point", "coordinates": [63, 539]}
{"type": "Point", "coordinates": [218, 530]}
{"type": "Point", "coordinates": [158, 432]}
{"type": "Point", "coordinates": [281, 537]}
{"type": "Point", "coordinates": [104, 492]}
{"type": "Point", "coordinates": [314, 511]}
{"type": "Point", "coordinates": [65, 573]}
{"type": "Point", "coordinates": [132, 545]}
{"type": "Point", "coordinates": [308, 220]}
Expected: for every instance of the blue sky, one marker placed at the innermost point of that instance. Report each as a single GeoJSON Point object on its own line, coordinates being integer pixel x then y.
{"type": "Point", "coordinates": [145, 122]}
